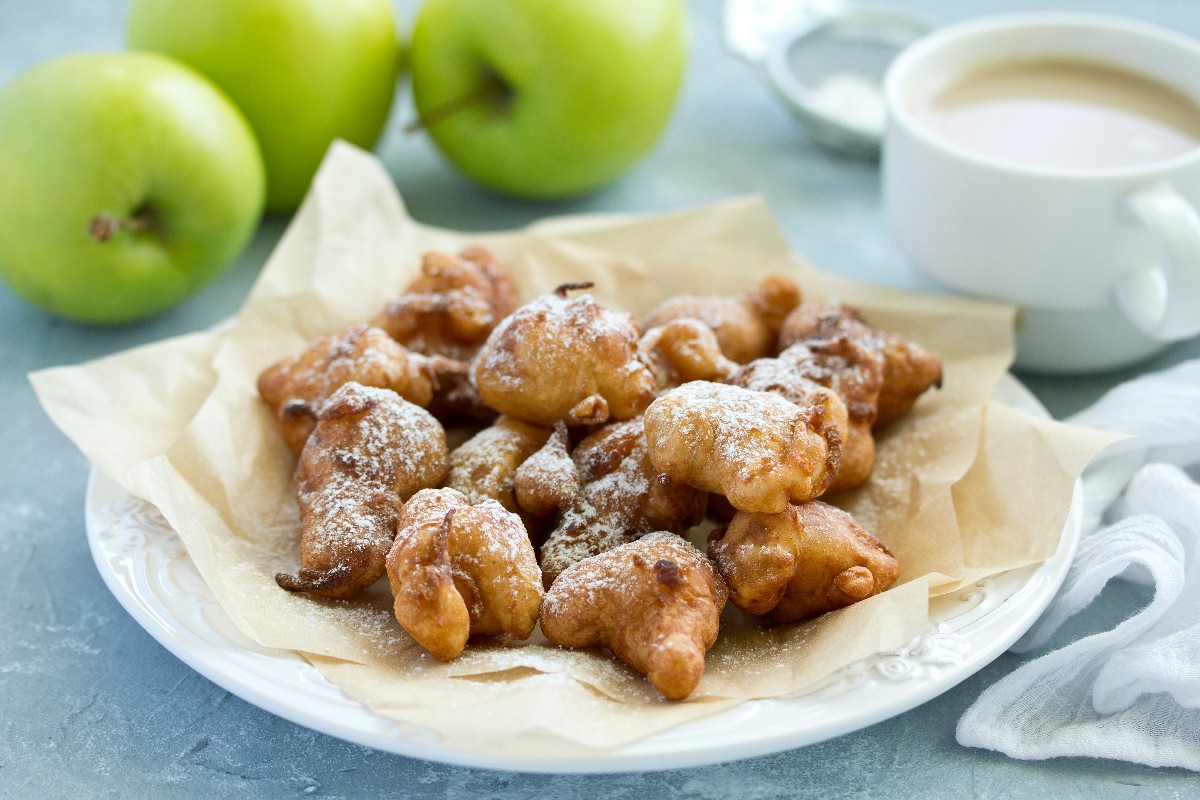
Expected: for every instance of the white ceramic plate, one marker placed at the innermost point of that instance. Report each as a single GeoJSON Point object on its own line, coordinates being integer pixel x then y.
{"type": "Point", "coordinates": [147, 568]}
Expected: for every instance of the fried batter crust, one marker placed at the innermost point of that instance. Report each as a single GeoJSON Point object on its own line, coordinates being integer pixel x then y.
{"type": "Point", "coordinates": [297, 387]}
{"type": "Point", "coordinates": [757, 449]}
{"type": "Point", "coordinates": [908, 368]}
{"type": "Point", "coordinates": [452, 306]}
{"type": "Point", "coordinates": [459, 570]}
{"type": "Point", "coordinates": [621, 497]}
{"type": "Point", "coordinates": [370, 451]}
{"type": "Point", "coordinates": [485, 466]}
{"type": "Point", "coordinates": [655, 603]}
{"type": "Point", "coordinates": [683, 350]}
{"type": "Point", "coordinates": [808, 371]}
{"type": "Point", "coordinates": [559, 358]}
{"type": "Point", "coordinates": [547, 481]}
{"type": "Point", "coordinates": [809, 559]}
{"type": "Point", "coordinates": [746, 326]}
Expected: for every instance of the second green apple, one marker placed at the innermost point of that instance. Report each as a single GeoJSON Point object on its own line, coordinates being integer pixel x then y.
{"type": "Point", "coordinates": [304, 72]}
{"type": "Point", "coordinates": [545, 98]}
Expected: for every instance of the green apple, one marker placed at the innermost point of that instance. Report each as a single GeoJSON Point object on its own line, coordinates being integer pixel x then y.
{"type": "Point", "coordinates": [127, 181]}
{"type": "Point", "coordinates": [304, 72]}
{"type": "Point", "coordinates": [546, 98]}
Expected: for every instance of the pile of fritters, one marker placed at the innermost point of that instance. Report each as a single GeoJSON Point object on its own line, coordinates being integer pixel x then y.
{"type": "Point", "coordinates": [592, 446]}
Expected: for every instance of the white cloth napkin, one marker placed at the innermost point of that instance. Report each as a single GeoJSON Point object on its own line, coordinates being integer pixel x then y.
{"type": "Point", "coordinates": [1133, 692]}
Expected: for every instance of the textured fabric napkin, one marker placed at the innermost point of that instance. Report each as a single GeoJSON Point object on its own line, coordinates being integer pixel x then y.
{"type": "Point", "coordinates": [1133, 692]}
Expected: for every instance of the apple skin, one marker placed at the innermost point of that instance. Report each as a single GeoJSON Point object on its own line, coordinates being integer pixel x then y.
{"type": "Point", "coordinates": [119, 134]}
{"type": "Point", "coordinates": [589, 87]}
{"type": "Point", "coordinates": [304, 72]}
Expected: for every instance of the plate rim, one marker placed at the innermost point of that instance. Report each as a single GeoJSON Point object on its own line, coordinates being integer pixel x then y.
{"type": "Point", "coordinates": [357, 724]}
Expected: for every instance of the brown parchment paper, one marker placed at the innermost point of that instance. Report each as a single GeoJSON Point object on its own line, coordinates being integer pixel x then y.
{"type": "Point", "coordinates": [964, 487]}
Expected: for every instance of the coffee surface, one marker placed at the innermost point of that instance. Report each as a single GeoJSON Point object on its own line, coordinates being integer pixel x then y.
{"type": "Point", "coordinates": [1062, 114]}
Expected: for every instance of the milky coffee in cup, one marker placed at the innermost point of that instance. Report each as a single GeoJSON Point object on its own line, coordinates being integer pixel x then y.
{"type": "Point", "coordinates": [1052, 160]}
{"type": "Point", "coordinates": [1058, 113]}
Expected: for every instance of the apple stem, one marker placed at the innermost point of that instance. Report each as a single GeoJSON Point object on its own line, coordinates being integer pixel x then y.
{"type": "Point", "coordinates": [493, 88]}
{"type": "Point", "coordinates": [104, 225]}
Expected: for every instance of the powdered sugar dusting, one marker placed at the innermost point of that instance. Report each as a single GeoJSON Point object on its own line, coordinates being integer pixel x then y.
{"type": "Point", "coordinates": [371, 450]}
{"type": "Point", "coordinates": [548, 481]}
{"type": "Point", "coordinates": [756, 448]}
{"type": "Point", "coordinates": [604, 516]}
{"type": "Point", "coordinates": [611, 507]}
{"type": "Point", "coordinates": [553, 353]}
{"type": "Point", "coordinates": [608, 573]}
{"type": "Point", "coordinates": [484, 467]}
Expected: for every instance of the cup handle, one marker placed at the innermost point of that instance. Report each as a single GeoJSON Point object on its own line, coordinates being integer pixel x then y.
{"type": "Point", "coordinates": [1163, 300]}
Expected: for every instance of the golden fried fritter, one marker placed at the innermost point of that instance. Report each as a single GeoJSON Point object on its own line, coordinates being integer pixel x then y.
{"type": "Point", "coordinates": [484, 467]}
{"type": "Point", "coordinates": [758, 449]}
{"type": "Point", "coordinates": [371, 450]}
{"type": "Point", "coordinates": [809, 559]}
{"type": "Point", "coordinates": [547, 481]}
{"type": "Point", "coordinates": [806, 371]}
{"type": "Point", "coordinates": [621, 497]}
{"type": "Point", "coordinates": [682, 350]}
{"type": "Point", "coordinates": [908, 368]}
{"type": "Point", "coordinates": [746, 326]}
{"type": "Point", "coordinates": [459, 570]}
{"type": "Point", "coordinates": [297, 387]}
{"type": "Point", "coordinates": [656, 603]}
{"type": "Point", "coordinates": [452, 306]}
{"type": "Point", "coordinates": [559, 358]}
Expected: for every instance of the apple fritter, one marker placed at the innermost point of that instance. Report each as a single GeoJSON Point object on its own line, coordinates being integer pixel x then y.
{"type": "Point", "coordinates": [485, 466]}
{"type": "Point", "coordinates": [746, 326]}
{"type": "Point", "coordinates": [621, 497]}
{"type": "Point", "coordinates": [758, 449]}
{"type": "Point", "coordinates": [547, 481]}
{"type": "Point", "coordinates": [655, 603]}
{"type": "Point", "coordinates": [452, 306]}
{"type": "Point", "coordinates": [908, 368]}
{"type": "Point", "coordinates": [808, 370]}
{"type": "Point", "coordinates": [809, 559]}
{"type": "Point", "coordinates": [459, 570]}
{"type": "Point", "coordinates": [682, 350]}
{"type": "Point", "coordinates": [297, 387]}
{"type": "Point", "coordinates": [370, 452]}
{"type": "Point", "coordinates": [560, 358]}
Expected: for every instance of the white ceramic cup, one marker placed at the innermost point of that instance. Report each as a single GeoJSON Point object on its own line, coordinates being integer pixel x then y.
{"type": "Point", "coordinates": [1104, 264]}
